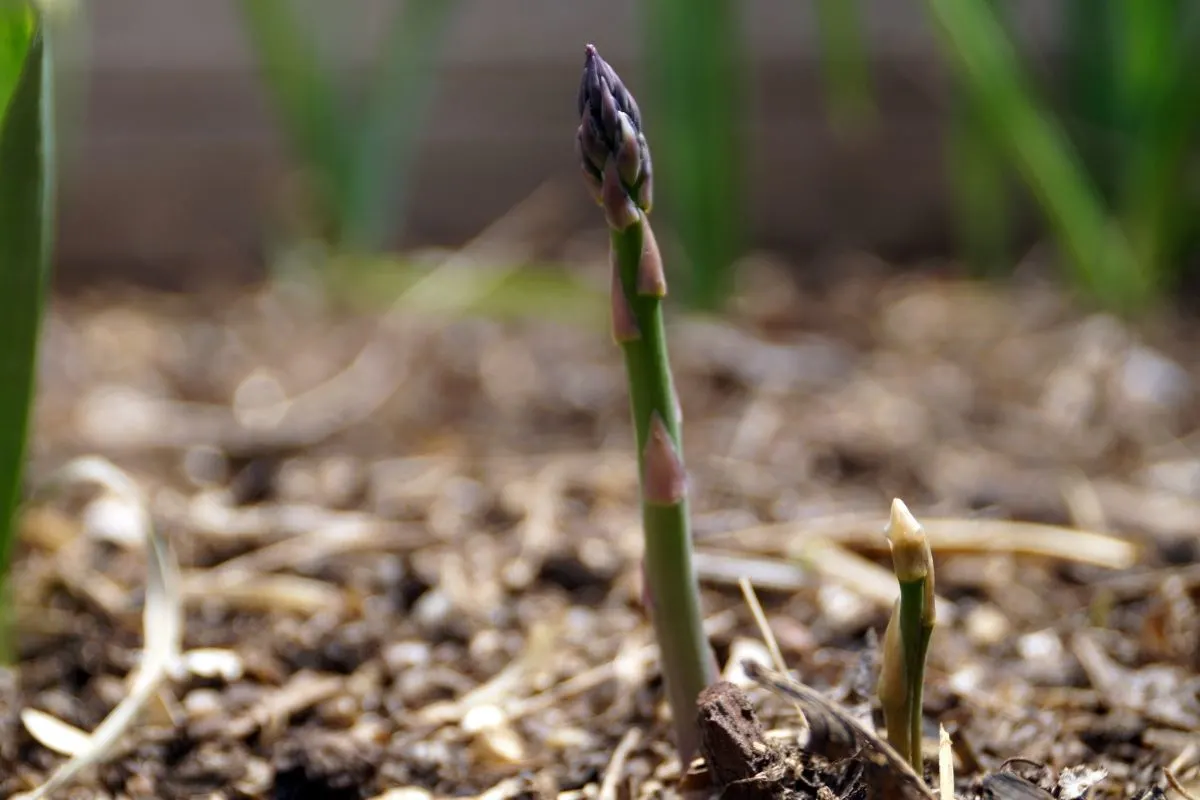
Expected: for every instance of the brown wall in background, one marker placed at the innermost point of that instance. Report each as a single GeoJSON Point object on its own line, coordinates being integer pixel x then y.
{"type": "Point", "coordinates": [179, 164]}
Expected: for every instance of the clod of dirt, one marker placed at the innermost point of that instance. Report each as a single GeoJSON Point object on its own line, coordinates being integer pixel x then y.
{"type": "Point", "coordinates": [740, 760]}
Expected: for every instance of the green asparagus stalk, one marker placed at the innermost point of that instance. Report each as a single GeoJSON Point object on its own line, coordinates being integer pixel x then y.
{"type": "Point", "coordinates": [616, 164]}
{"type": "Point", "coordinates": [906, 642]}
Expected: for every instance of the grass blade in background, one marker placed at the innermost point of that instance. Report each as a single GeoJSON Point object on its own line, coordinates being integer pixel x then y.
{"type": "Point", "coordinates": [1161, 97]}
{"type": "Point", "coordinates": [1146, 31]}
{"type": "Point", "coordinates": [26, 238]}
{"type": "Point", "coordinates": [359, 157]}
{"type": "Point", "coordinates": [987, 66]}
{"type": "Point", "coordinates": [847, 68]}
{"type": "Point", "coordinates": [981, 193]}
{"type": "Point", "coordinates": [305, 99]}
{"type": "Point", "coordinates": [1093, 117]}
{"type": "Point", "coordinates": [695, 64]}
{"type": "Point", "coordinates": [396, 107]}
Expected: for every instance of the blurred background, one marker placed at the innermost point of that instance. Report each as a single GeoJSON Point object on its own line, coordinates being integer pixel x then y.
{"type": "Point", "coordinates": [215, 138]}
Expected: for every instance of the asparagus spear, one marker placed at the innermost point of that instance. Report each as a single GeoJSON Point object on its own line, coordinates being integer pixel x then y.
{"type": "Point", "coordinates": [616, 164]}
{"type": "Point", "coordinates": [906, 642]}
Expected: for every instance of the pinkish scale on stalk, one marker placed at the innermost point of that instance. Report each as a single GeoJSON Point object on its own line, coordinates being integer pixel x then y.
{"type": "Point", "coordinates": [651, 279]}
{"type": "Point", "coordinates": [665, 478]}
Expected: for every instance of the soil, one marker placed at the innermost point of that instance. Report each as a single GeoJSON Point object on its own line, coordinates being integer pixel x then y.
{"type": "Point", "coordinates": [427, 573]}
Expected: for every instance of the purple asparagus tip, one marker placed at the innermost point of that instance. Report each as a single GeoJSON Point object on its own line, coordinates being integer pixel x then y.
{"type": "Point", "coordinates": [610, 133]}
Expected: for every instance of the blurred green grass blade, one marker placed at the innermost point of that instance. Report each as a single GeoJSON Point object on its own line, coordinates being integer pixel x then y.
{"type": "Point", "coordinates": [981, 191]}
{"type": "Point", "coordinates": [987, 66]}
{"type": "Point", "coordinates": [26, 238]}
{"type": "Point", "coordinates": [304, 96]}
{"type": "Point", "coordinates": [396, 107]}
{"type": "Point", "coordinates": [980, 188]}
{"type": "Point", "coordinates": [695, 65]}
{"type": "Point", "coordinates": [846, 66]}
{"type": "Point", "coordinates": [1148, 33]}
{"type": "Point", "coordinates": [1161, 91]}
{"type": "Point", "coordinates": [1092, 101]}
{"type": "Point", "coordinates": [16, 28]}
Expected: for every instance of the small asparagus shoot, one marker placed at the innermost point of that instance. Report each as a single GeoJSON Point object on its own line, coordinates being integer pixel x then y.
{"type": "Point", "coordinates": [906, 642]}
{"type": "Point", "coordinates": [615, 158]}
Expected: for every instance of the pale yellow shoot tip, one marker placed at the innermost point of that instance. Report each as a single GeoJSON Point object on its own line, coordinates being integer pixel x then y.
{"type": "Point", "coordinates": [911, 556]}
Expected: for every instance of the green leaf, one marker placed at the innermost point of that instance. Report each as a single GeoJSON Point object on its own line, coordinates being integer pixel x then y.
{"type": "Point", "coordinates": [27, 197]}
{"type": "Point", "coordinates": [16, 26]}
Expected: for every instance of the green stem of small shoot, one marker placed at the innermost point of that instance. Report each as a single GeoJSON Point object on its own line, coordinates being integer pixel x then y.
{"type": "Point", "coordinates": [906, 643]}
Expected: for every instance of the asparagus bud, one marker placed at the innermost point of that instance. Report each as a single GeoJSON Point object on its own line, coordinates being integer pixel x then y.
{"type": "Point", "coordinates": [611, 130]}
{"type": "Point", "coordinates": [615, 160]}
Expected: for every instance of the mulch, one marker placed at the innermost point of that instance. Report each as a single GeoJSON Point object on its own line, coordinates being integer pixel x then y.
{"type": "Point", "coordinates": [418, 575]}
